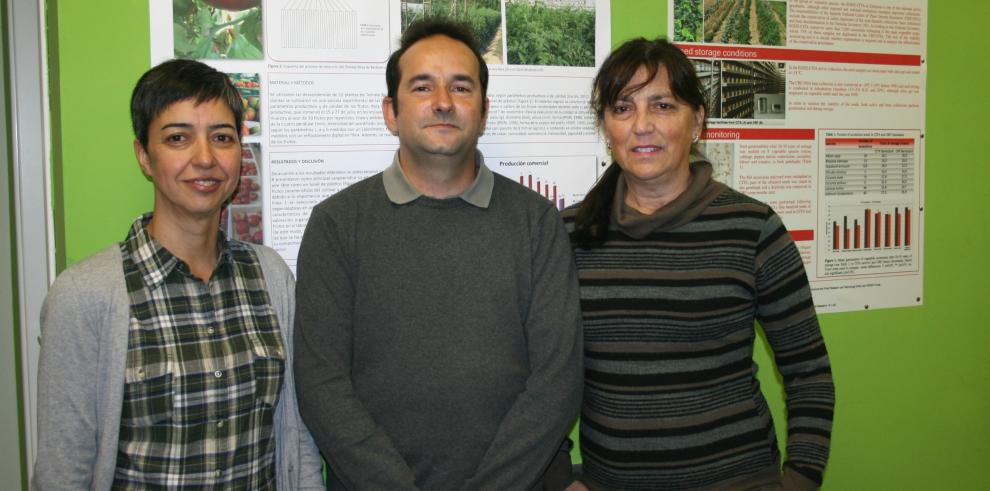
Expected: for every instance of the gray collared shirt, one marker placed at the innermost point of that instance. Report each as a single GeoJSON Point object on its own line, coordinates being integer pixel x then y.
{"type": "Point", "coordinates": [400, 191]}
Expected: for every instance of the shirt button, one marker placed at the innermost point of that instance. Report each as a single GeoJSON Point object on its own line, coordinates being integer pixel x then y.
{"type": "Point", "coordinates": [218, 374]}
{"type": "Point", "coordinates": [219, 472]}
{"type": "Point", "coordinates": [219, 424]}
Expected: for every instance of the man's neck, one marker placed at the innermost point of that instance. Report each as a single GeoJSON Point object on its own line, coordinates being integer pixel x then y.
{"type": "Point", "coordinates": [440, 176]}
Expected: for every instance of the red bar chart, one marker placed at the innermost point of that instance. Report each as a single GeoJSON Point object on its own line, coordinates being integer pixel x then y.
{"type": "Point", "coordinates": [872, 229]}
{"type": "Point", "coordinates": [562, 180]}
{"type": "Point", "coordinates": [548, 190]}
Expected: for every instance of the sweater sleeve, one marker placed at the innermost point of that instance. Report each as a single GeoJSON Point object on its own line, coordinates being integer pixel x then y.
{"type": "Point", "coordinates": [68, 421]}
{"type": "Point", "coordinates": [305, 457]}
{"type": "Point", "coordinates": [787, 314]}
{"type": "Point", "coordinates": [358, 451]}
{"type": "Point", "coordinates": [531, 431]}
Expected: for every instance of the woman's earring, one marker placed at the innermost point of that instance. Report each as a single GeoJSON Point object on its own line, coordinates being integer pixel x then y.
{"type": "Point", "coordinates": [695, 138]}
{"type": "Point", "coordinates": [608, 146]}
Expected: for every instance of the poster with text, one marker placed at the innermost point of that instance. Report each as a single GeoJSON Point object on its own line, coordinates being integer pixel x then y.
{"type": "Point", "coordinates": [312, 73]}
{"type": "Point", "coordinates": [817, 107]}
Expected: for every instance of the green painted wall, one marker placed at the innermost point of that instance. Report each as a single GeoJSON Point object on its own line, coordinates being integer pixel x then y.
{"type": "Point", "coordinates": [99, 49]}
{"type": "Point", "coordinates": [913, 385]}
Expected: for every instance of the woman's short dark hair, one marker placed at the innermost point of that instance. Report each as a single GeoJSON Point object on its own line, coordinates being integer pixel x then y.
{"type": "Point", "coordinates": [422, 29]}
{"type": "Point", "coordinates": [611, 83]}
{"type": "Point", "coordinates": [177, 80]}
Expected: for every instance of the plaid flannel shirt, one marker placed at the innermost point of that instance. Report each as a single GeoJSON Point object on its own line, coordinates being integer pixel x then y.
{"type": "Point", "coordinates": [204, 368]}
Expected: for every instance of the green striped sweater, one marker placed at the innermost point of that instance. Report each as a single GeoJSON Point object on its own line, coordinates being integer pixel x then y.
{"type": "Point", "coordinates": [669, 302]}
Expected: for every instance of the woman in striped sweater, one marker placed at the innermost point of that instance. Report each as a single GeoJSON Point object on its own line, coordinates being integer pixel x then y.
{"type": "Point", "coordinates": [674, 269]}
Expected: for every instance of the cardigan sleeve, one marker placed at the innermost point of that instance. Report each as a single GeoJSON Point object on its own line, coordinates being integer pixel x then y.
{"type": "Point", "coordinates": [74, 314]}
{"type": "Point", "coordinates": [787, 314]}
{"type": "Point", "coordinates": [299, 459]}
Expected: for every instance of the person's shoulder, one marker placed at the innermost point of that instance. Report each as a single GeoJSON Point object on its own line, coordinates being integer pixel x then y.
{"type": "Point", "coordinates": [101, 268]}
{"type": "Point", "coordinates": [89, 282]}
{"type": "Point", "coordinates": [268, 257]}
{"type": "Point", "coordinates": [272, 264]}
{"type": "Point", "coordinates": [355, 194]}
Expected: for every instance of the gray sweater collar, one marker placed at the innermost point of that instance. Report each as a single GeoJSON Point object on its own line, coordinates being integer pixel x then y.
{"type": "Point", "coordinates": [400, 191]}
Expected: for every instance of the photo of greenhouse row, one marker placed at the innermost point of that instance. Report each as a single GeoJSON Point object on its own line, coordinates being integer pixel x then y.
{"type": "Point", "coordinates": [536, 32]}
{"type": "Point", "coordinates": [751, 22]}
{"type": "Point", "coordinates": [743, 89]}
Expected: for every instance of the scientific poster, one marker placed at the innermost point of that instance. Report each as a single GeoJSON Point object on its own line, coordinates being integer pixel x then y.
{"type": "Point", "coordinates": [817, 107]}
{"type": "Point", "coordinates": [312, 75]}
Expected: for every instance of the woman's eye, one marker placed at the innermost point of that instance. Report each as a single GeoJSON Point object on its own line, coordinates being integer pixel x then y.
{"type": "Point", "coordinates": [175, 138]}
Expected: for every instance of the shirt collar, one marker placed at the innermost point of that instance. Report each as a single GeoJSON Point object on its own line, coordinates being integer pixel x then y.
{"type": "Point", "coordinates": [400, 191]}
{"type": "Point", "coordinates": [156, 263]}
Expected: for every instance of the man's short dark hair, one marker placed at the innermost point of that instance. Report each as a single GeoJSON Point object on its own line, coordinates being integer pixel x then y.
{"type": "Point", "coordinates": [422, 29]}
{"type": "Point", "coordinates": [177, 80]}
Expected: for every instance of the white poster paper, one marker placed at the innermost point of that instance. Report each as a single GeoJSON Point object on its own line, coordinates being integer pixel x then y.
{"type": "Point", "coordinates": [817, 107]}
{"type": "Point", "coordinates": [312, 73]}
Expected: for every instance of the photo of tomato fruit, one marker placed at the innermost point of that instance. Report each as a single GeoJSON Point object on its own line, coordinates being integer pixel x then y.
{"type": "Point", "coordinates": [247, 226]}
{"type": "Point", "coordinates": [249, 169]}
{"type": "Point", "coordinates": [249, 191]}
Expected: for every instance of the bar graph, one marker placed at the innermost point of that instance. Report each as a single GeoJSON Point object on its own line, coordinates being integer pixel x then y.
{"type": "Point", "coordinates": [561, 179]}
{"type": "Point", "coordinates": [872, 229]}
{"type": "Point", "coordinates": [545, 188]}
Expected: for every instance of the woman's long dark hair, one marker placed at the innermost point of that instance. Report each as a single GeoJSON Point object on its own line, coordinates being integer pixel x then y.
{"type": "Point", "coordinates": [612, 82]}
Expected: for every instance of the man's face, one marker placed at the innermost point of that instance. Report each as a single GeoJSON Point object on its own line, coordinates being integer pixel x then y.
{"type": "Point", "coordinates": [439, 109]}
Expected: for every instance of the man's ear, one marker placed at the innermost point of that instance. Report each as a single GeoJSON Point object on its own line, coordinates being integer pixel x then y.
{"type": "Point", "coordinates": [143, 159]}
{"type": "Point", "coordinates": [388, 113]}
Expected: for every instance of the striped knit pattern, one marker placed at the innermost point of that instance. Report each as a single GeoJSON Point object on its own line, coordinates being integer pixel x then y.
{"type": "Point", "coordinates": [671, 396]}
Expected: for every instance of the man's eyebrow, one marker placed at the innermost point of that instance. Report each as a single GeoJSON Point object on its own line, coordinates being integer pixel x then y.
{"type": "Point", "coordinates": [422, 77]}
{"type": "Point", "coordinates": [464, 78]}
{"type": "Point", "coordinates": [427, 77]}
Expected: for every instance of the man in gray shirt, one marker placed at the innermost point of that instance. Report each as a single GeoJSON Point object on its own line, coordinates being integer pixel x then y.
{"type": "Point", "coordinates": [438, 328]}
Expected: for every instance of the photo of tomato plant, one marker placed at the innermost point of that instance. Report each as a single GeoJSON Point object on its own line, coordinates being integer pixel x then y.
{"type": "Point", "coordinates": [249, 86]}
{"type": "Point", "coordinates": [484, 17]}
{"type": "Point", "coordinates": [687, 20]}
{"type": "Point", "coordinates": [753, 22]}
{"type": "Point", "coordinates": [215, 29]}
{"type": "Point", "coordinates": [550, 32]}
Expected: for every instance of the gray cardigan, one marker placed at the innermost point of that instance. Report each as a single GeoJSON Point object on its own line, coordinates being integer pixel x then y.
{"type": "Point", "coordinates": [84, 324]}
